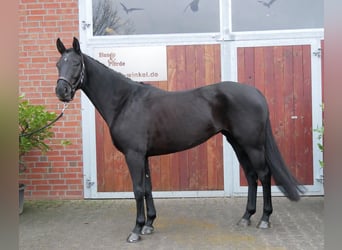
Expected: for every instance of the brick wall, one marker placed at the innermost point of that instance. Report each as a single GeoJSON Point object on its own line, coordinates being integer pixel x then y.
{"type": "Point", "coordinates": [59, 173]}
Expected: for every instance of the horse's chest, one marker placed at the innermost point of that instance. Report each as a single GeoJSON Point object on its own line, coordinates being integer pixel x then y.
{"type": "Point", "coordinates": [128, 135]}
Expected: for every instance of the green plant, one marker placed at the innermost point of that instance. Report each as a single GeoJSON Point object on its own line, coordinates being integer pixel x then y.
{"type": "Point", "coordinates": [32, 131]}
{"type": "Point", "coordinates": [320, 132]}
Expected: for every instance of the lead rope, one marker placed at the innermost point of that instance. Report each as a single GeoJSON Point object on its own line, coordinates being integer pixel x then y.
{"type": "Point", "coordinates": [47, 125]}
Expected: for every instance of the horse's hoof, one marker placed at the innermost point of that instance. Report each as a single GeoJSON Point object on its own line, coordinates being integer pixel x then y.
{"type": "Point", "coordinates": [244, 222]}
{"type": "Point", "coordinates": [264, 224]}
{"type": "Point", "coordinates": [147, 230]}
{"type": "Point", "coordinates": [133, 237]}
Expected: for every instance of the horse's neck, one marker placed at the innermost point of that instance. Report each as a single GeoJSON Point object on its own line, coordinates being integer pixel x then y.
{"type": "Point", "coordinates": [105, 88]}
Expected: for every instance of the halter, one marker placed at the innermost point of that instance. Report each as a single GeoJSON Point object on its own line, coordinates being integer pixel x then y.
{"type": "Point", "coordinates": [78, 84]}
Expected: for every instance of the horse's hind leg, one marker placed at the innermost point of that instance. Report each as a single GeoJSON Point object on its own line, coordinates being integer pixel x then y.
{"type": "Point", "coordinates": [251, 200]}
{"type": "Point", "coordinates": [257, 157]}
{"type": "Point", "coordinates": [268, 209]}
{"type": "Point", "coordinates": [151, 211]}
{"type": "Point", "coordinates": [251, 177]}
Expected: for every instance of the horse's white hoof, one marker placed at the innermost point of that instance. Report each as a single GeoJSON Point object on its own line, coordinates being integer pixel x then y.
{"type": "Point", "coordinates": [244, 222]}
{"type": "Point", "coordinates": [147, 230]}
{"type": "Point", "coordinates": [264, 224]}
{"type": "Point", "coordinates": [133, 237]}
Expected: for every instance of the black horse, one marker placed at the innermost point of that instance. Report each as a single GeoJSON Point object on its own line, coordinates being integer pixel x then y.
{"type": "Point", "coordinates": [146, 121]}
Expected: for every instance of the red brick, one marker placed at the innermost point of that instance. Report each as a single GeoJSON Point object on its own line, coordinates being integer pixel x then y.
{"type": "Point", "coordinates": [52, 5]}
{"type": "Point", "coordinates": [34, 6]}
{"type": "Point", "coordinates": [69, 175]}
{"type": "Point", "coordinates": [39, 12]}
{"type": "Point", "coordinates": [39, 182]}
{"type": "Point", "coordinates": [42, 187]}
{"type": "Point", "coordinates": [35, 18]}
{"type": "Point", "coordinates": [57, 194]}
{"type": "Point", "coordinates": [59, 187]}
{"type": "Point", "coordinates": [56, 182]}
{"type": "Point", "coordinates": [74, 181]}
{"type": "Point", "coordinates": [38, 194]}
{"type": "Point", "coordinates": [34, 176]}
{"type": "Point", "coordinates": [75, 193]}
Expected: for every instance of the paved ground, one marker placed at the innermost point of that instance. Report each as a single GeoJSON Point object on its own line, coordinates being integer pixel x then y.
{"type": "Point", "coordinates": [181, 224]}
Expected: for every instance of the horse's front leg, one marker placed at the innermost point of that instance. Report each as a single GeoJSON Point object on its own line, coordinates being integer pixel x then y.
{"type": "Point", "coordinates": [151, 211]}
{"type": "Point", "coordinates": [136, 165]}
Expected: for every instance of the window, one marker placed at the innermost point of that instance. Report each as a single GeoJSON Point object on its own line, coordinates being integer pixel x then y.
{"type": "Point", "coordinates": [258, 15]}
{"type": "Point", "coordinates": [136, 17]}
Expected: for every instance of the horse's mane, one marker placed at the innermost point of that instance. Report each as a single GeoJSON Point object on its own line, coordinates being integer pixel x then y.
{"type": "Point", "coordinates": [116, 73]}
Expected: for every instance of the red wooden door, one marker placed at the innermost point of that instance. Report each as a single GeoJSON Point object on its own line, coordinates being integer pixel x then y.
{"type": "Point", "coordinates": [283, 74]}
{"type": "Point", "coordinates": [200, 168]}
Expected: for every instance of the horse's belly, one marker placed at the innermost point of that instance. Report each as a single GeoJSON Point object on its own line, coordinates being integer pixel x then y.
{"type": "Point", "coordinates": [178, 140]}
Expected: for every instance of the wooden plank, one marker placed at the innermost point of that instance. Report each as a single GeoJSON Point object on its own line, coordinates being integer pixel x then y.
{"type": "Point", "coordinates": [165, 176]}
{"type": "Point", "coordinates": [259, 69]}
{"type": "Point", "coordinates": [278, 83]}
{"type": "Point", "coordinates": [217, 161]}
{"type": "Point", "coordinates": [182, 84]}
{"type": "Point", "coordinates": [172, 78]}
{"type": "Point", "coordinates": [242, 77]}
{"type": "Point", "coordinates": [192, 154]}
{"type": "Point", "coordinates": [214, 159]}
{"type": "Point", "coordinates": [209, 64]}
{"type": "Point", "coordinates": [269, 81]}
{"type": "Point", "coordinates": [270, 88]}
{"type": "Point", "coordinates": [298, 93]}
{"type": "Point", "coordinates": [288, 140]}
{"type": "Point", "coordinates": [217, 63]}
{"type": "Point", "coordinates": [155, 170]}
{"type": "Point", "coordinates": [241, 64]}
{"type": "Point", "coordinates": [249, 66]}
{"type": "Point", "coordinates": [200, 66]}
{"type": "Point", "coordinates": [99, 149]}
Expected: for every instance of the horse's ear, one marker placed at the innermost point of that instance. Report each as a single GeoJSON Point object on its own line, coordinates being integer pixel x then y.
{"type": "Point", "coordinates": [76, 45]}
{"type": "Point", "coordinates": [60, 46]}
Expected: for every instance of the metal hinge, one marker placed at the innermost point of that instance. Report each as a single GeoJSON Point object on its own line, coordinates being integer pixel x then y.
{"type": "Point", "coordinates": [85, 25]}
{"type": "Point", "coordinates": [321, 179]}
{"type": "Point", "coordinates": [317, 53]}
{"type": "Point", "coordinates": [89, 183]}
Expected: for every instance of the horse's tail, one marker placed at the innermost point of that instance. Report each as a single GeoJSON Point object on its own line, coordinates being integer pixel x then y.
{"type": "Point", "coordinates": [281, 174]}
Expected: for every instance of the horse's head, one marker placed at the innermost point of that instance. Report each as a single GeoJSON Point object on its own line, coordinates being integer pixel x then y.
{"type": "Point", "coordinates": [71, 71]}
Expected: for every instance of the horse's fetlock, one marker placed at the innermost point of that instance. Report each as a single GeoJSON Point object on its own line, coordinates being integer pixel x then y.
{"type": "Point", "coordinates": [251, 211]}
{"type": "Point", "coordinates": [152, 216]}
{"type": "Point", "coordinates": [140, 221]}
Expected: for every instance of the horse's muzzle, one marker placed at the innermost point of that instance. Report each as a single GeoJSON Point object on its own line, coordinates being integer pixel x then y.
{"type": "Point", "coordinates": [64, 91]}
